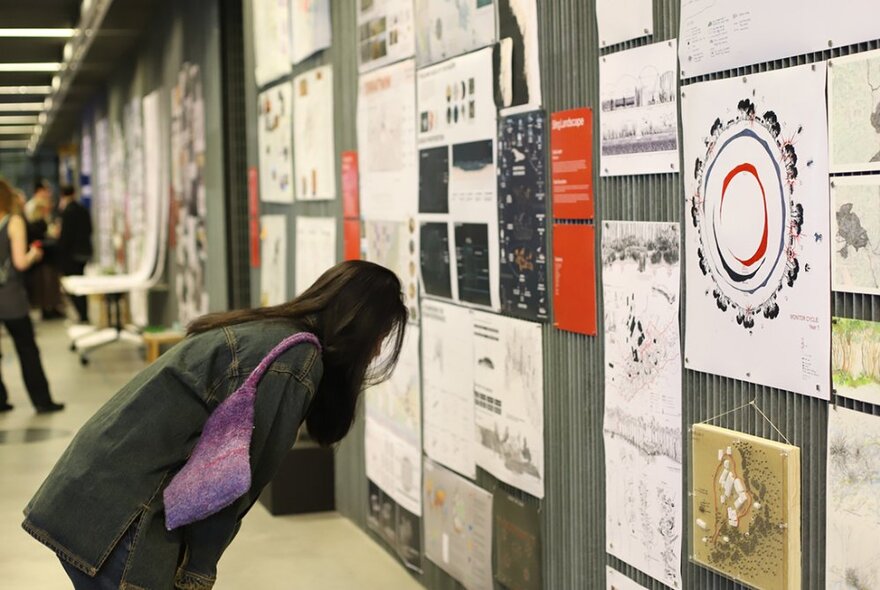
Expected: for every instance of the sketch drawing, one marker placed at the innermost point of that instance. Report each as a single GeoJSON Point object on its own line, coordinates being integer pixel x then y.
{"type": "Point", "coordinates": [855, 225]}
{"type": "Point", "coordinates": [853, 501]}
{"type": "Point", "coordinates": [746, 507]}
{"type": "Point", "coordinates": [855, 359]}
{"type": "Point", "coordinates": [642, 423]}
{"type": "Point", "coordinates": [854, 112]}
{"type": "Point", "coordinates": [447, 28]}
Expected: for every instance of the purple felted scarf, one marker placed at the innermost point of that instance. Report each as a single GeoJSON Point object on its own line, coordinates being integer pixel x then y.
{"type": "Point", "coordinates": [219, 471]}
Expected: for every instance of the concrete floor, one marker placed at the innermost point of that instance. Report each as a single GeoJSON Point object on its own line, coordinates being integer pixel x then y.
{"type": "Point", "coordinates": [316, 551]}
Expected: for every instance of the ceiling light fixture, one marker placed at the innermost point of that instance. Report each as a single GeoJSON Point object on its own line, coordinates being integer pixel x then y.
{"type": "Point", "coordinates": [21, 107]}
{"type": "Point", "coordinates": [16, 129]}
{"type": "Point", "coordinates": [14, 143]}
{"type": "Point", "coordinates": [12, 90]}
{"type": "Point", "coordinates": [30, 67]}
{"type": "Point", "coordinates": [19, 120]}
{"type": "Point", "coordinates": [37, 33]}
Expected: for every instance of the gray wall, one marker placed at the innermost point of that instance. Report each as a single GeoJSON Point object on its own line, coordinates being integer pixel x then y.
{"type": "Point", "coordinates": [572, 514]}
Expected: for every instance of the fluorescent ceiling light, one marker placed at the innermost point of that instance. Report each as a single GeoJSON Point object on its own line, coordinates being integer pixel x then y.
{"type": "Point", "coordinates": [25, 90]}
{"type": "Point", "coordinates": [13, 107]}
{"type": "Point", "coordinates": [19, 120]}
{"type": "Point", "coordinates": [15, 129]}
{"type": "Point", "coordinates": [16, 143]}
{"type": "Point", "coordinates": [30, 67]}
{"type": "Point", "coordinates": [38, 33]}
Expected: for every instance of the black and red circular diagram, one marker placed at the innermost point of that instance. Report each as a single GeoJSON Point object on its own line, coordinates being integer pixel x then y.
{"type": "Point", "coordinates": [748, 222]}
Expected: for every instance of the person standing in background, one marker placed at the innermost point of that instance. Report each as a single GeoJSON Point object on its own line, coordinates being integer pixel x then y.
{"type": "Point", "coordinates": [74, 243]}
{"type": "Point", "coordinates": [42, 281]}
{"type": "Point", "coordinates": [15, 258]}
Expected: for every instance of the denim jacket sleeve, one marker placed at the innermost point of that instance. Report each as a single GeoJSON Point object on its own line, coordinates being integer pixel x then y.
{"type": "Point", "coordinates": [282, 398]}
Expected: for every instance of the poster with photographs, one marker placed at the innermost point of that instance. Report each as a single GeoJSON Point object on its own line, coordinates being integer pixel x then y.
{"type": "Point", "coordinates": [398, 527]}
{"type": "Point", "coordinates": [386, 32]}
{"type": "Point", "coordinates": [274, 129]}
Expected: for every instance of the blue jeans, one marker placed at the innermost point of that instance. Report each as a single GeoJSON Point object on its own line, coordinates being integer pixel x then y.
{"type": "Point", "coordinates": [109, 577]}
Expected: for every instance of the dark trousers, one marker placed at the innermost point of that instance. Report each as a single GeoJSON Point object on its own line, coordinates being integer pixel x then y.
{"type": "Point", "coordinates": [110, 575]}
{"type": "Point", "coordinates": [22, 332]}
{"type": "Point", "coordinates": [80, 302]}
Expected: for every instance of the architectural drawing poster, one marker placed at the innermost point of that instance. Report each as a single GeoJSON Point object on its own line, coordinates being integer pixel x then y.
{"type": "Point", "coordinates": [273, 273]}
{"type": "Point", "coordinates": [458, 208]}
{"type": "Point", "coordinates": [387, 142]}
{"type": "Point", "coordinates": [623, 20]}
{"type": "Point", "coordinates": [271, 20]}
{"type": "Point", "coordinates": [855, 359]}
{"type": "Point", "coordinates": [746, 507]}
{"type": "Point", "coordinates": [614, 580]}
{"type": "Point", "coordinates": [274, 129]}
{"type": "Point", "coordinates": [103, 197]}
{"type": "Point", "coordinates": [571, 163]}
{"type": "Point", "coordinates": [718, 36]}
{"type": "Point", "coordinates": [642, 425]}
{"type": "Point", "coordinates": [386, 32]}
{"type": "Point", "coordinates": [855, 231]}
{"type": "Point", "coordinates": [458, 527]}
{"type": "Point", "coordinates": [509, 400]}
{"type": "Point", "coordinates": [86, 169]}
{"type": "Point", "coordinates": [522, 212]}
{"type": "Point", "coordinates": [310, 28]}
{"type": "Point", "coordinates": [448, 386]}
{"type": "Point", "coordinates": [315, 249]}
{"type": "Point", "coordinates": [449, 28]}
{"type": "Point", "coordinates": [396, 525]}
{"type": "Point", "coordinates": [639, 119]}
{"type": "Point", "coordinates": [853, 500]}
{"type": "Point", "coordinates": [190, 202]}
{"type": "Point", "coordinates": [395, 245]}
{"type": "Point", "coordinates": [393, 440]}
{"type": "Point", "coordinates": [314, 161]}
{"type": "Point", "coordinates": [516, 538]}
{"type": "Point", "coordinates": [758, 268]}
{"type": "Point", "coordinates": [854, 112]}
{"type": "Point", "coordinates": [574, 278]}
{"type": "Point", "coordinates": [118, 196]}
{"type": "Point", "coordinates": [135, 199]}
{"type": "Point", "coordinates": [517, 63]}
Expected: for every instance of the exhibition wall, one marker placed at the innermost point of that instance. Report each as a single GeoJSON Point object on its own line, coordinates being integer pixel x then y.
{"type": "Point", "coordinates": [576, 367]}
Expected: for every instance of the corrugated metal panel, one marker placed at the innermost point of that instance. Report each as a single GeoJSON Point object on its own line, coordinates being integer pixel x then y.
{"type": "Point", "coordinates": [573, 511]}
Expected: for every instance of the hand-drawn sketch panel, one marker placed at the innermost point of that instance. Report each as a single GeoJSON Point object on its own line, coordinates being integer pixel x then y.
{"type": "Point", "coordinates": [853, 501]}
{"type": "Point", "coordinates": [622, 20]}
{"type": "Point", "coordinates": [855, 359]}
{"type": "Point", "coordinates": [746, 515]}
{"type": "Point", "coordinates": [642, 423]}
{"type": "Point", "coordinates": [275, 129]}
{"type": "Point", "coordinates": [855, 225]}
{"type": "Point", "coordinates": [314, 161]}
{"type": "Point", "coordinates": [447, 28]}
{"type": "Point", "coordinates": [854, 112]}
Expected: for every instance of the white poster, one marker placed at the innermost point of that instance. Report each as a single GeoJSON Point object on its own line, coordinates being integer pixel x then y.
{"type": "Point", "coordinates": [271, 34]}
{"type": "Point", "coordinates": [854, 112]}
{"type": "Point", "coordinates": [458, 209]}
{"type": "Point", "coordinates": [395, 245]}
{"type": "Point", "coordinates": [855, 230]}
{"type": "Point", "coordinates": [274, 129]}
{"type": "Point", "coordinates": [449, 28]}
{"type": "Point", "coordinates": [448, 386]}
{"type": "Point", "coordinates": [623, 20]}
{"type": "Point", "coordinates": [393, 443]}
{"type": "Point", "coordinates": [314, 144]}
{"type": "Point", "coordinates": [273, 260]}
{"type": "Point", "coordinates": [853, 501]}
{"type": "Point", "coordinates": [389, 174]}
{"type": "Point", "coordinates": [639, 118]}
{"type": "Point", "coordinates": [136, 206]}
{"type": "Point", "coordinates": [103, 197]}
{"type": "Point", "coordinates": [315, 250]}
{"type": "Point", "coordinates": [458, 527]}
{"type": "Point", "coordinates": [642, 424]}
{"type": "Point", "coordinates": [719, 36]}
{"type": "Point", "coordinates": [310, 28]}
{"type": "Point", "coordinates": [118, 197]}
{"type": "Point", "coordinates": [614, 580]}
{"type": "Point", "coordinates": [509, 400]}
{"type": "Point", "coordinates": [386, 32]}
{"type": "Point", "coordinates": [758, 233]}
{"type": "Point", "coordinates": [517, 63]}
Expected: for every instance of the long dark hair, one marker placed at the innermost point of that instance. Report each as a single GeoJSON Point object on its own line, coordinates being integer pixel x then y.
{"type": "Point", "coordinates": [353, 309]}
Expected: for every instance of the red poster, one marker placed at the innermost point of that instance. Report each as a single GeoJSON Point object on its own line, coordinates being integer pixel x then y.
{"type": "Point", "coordinates": [574, 278]}
{"type": "Point", "coordinates": [350, 205]}
{"type": "Point", "coordinates": [254, 215]}
{"type": "Point", "coordinates": [571, 155]}
{"type": "Point", "coordinates": [351, 238]}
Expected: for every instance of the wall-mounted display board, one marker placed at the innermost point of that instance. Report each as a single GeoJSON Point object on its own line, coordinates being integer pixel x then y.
{"type": "Point", "coordinates": [855, 359]}
{"type": "Point", "coordinates": [642, 427]}
{"type": "Point", "coordinates": [272, 51]}
{"type": "Point", "coordinates": [273, 258]}
{"type": "Point", "coordinates": [855, 231]}
{"type": "Point", "coordinates": [310, 28]}
{"type": "Point", "coordinates": [314, 161]}
{"type": "Point", "coordinates": [758, 269]}
{"type": "Point", "coordinates": [639, 118]}
{"type": "Point", "coordinates": [274, 132]}
{"type": "Point", "coordinates": [622, 20]}
{"type": "Point", "coordinates": [719, 36]}
{"type": "Point", "coordinates": [746, 507]}
{"type": "Point", "coordinates": [853, 500]}
{"type": "Point", "coordinates": [522, 212]}
{"type": "Point", "coordinates": [449, 28]}
{"type": "Point", "coordinates": [386, 32]}
{"type": "Point", "coordinates": [854, 112]}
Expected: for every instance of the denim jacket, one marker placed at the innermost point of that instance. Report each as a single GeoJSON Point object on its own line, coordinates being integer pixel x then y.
{"type": "Point", "coordinates": [112, 475]}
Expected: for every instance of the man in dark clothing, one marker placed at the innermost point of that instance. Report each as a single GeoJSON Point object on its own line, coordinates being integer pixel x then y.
{"type": "Point", "coordinates": [74, 243]}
